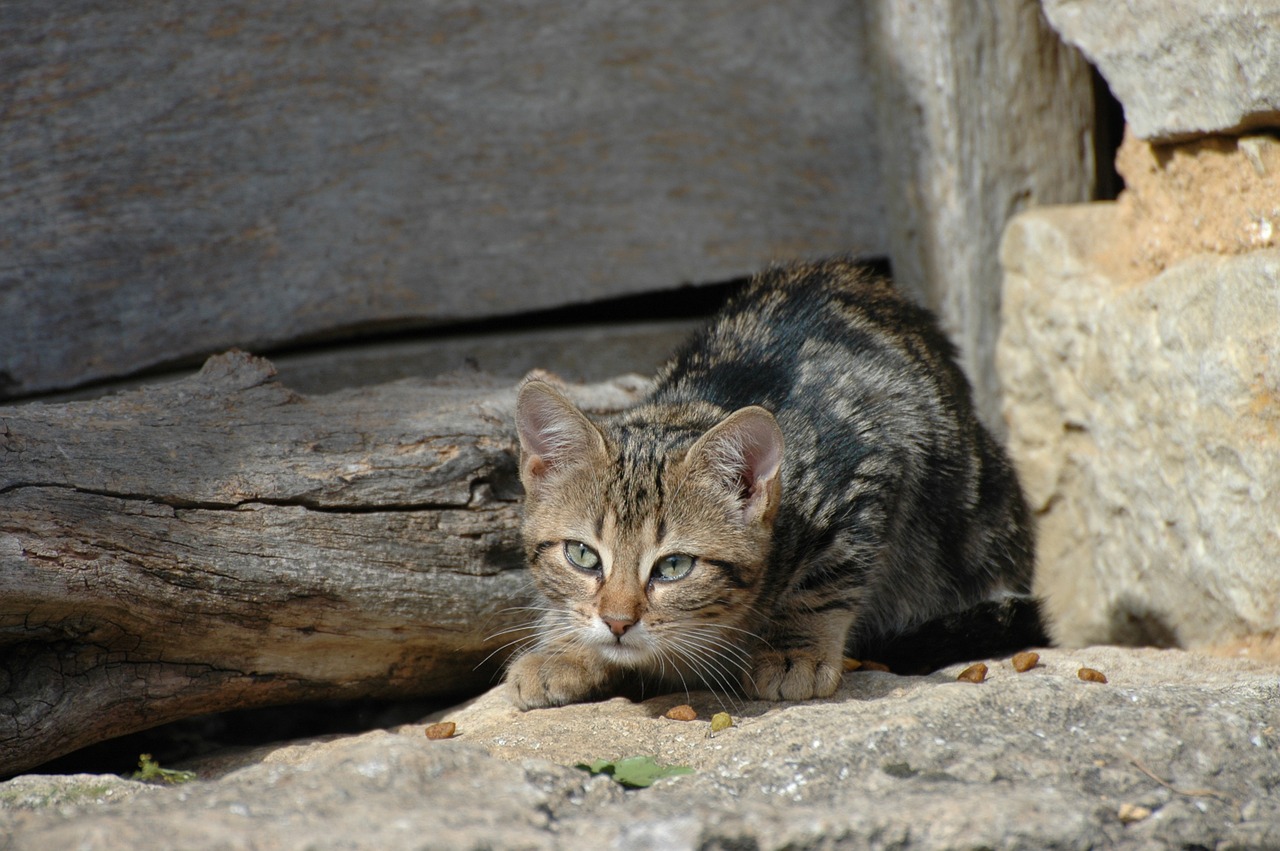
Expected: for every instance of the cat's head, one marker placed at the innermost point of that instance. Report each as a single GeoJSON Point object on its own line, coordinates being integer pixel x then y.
{"type": "Point", "coordinates": [648, 537]}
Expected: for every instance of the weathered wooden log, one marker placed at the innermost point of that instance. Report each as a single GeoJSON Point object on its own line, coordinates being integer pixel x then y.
{"type": "Point", "coordinates": [223, 542]}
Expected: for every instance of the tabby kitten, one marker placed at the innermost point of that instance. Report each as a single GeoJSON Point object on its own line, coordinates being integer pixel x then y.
{"type": "Point", "coordinates": [807, 476]}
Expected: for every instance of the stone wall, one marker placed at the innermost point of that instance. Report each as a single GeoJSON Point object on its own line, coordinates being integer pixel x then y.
{"type": "Point", "coordinates": [1182, 68]}
{"type": "Point", "coordinates": [1140, 351]}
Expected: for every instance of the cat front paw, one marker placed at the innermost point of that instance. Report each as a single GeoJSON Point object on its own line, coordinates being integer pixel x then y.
{"type": "Point", "coordinates": [537, 680]}
{"type": "Point", "coordinates": [794, 675]}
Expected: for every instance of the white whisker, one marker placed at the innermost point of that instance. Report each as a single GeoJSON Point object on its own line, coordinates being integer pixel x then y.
{"type": "Point", "coordinates": [664, 659]}
{"type": "Point", "coordinates": [553, 625]}
{"type": "Point", "coordinates": [712, 657]}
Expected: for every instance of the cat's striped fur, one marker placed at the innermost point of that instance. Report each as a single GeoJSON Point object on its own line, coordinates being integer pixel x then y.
{"type": "Point", "coordinates": [808, 474]}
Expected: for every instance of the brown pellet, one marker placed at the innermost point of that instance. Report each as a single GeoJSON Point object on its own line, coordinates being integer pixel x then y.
{"type": "Point", "coordinates": [443, 730]}
{"type": "Point", "coordinates": [1023, 662]}
{"type": "Point", "coordinates": [683, 712]}
{"type": "Point", "coordinates": [1089, 675]}
{"type": "Point", "coordinates": [975, 673]}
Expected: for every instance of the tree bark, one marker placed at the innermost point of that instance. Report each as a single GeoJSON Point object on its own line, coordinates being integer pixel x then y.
{"type": "Point", "coordinates": [222, 542]}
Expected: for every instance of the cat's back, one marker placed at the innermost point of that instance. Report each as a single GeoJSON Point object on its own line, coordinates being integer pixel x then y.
{"type": "Point", "coordinates": [804, 337]}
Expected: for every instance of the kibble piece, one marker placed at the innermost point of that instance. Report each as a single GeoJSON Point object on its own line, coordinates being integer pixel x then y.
{"type": "Point", "coordinates": [443, 730]}
{"type": "Point", "coordinates": [721, 721]}
{"type": "Point", "coordinates": [683, 712]}
{"type": "Point", "coordinates": [1089, 675]}
{"type": "Point", "coordinates": [1129, 813]}
{"type": "Point", "coordinates": [975, 673]}
{"type": "Point", "coordinates": [1023, 662]}
{"type": "Point", "coordinates": [875, 666]}
{"type": "Point", "coordinates": [851, 665]}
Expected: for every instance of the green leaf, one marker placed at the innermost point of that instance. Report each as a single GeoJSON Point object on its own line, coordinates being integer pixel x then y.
{"type": "Point", "coordinates": [149, 771]}
{"type": "Point", "coordinates": [635, 771]}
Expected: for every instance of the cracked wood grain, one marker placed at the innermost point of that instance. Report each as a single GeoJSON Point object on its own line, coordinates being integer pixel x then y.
{"type": "Point", "coordinates": [222, 542]}
{"type": "Point", "coordinates": [365, 169]}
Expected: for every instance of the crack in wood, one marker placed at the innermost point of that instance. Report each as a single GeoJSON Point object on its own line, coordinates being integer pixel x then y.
{"type": "Point", "coordinates": [470, 504]}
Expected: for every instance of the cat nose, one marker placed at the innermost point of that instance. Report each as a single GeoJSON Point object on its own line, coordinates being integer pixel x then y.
{"type": "Point", "coordinates": [618, 625]}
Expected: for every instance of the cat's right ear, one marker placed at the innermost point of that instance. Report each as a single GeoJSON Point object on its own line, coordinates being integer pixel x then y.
{"type": "Point", "coordinates": [554, 434]}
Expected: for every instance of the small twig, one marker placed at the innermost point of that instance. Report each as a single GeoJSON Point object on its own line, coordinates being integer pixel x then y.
{"type": "Point", "coordinates": [1187, 793]}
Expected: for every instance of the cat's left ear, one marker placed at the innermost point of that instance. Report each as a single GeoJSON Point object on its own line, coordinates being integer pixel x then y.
{"type": "Point", "coordinates": [743, 453]}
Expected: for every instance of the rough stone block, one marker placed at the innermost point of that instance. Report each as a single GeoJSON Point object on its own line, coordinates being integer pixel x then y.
{"type": "Point", "coordinates": [1181, 68]}
{"type": "Point", "coordinates": [1175, 751]}
{"type": "Point", "coordinates": [1145, 419]}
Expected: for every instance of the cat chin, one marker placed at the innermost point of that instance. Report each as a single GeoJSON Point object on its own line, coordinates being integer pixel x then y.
{"type": "Point", "coordinates": [625, 654]}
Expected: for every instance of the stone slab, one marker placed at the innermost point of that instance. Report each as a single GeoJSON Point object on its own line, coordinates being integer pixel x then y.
{"type": "Point", "coordinates": [1181, 68]}
{"type": "Point", "coordinates": [1175, 750]}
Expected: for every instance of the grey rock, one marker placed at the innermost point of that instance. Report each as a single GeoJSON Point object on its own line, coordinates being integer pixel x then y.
{"type": "Point", "coordinates": [40, 792]}
{"type": "Point", "coordinates": [1181, 68]}
{"type": "Point", "coordinates": [1032, 760]}
{"type": "Point", "coordinates": [1144, 418]}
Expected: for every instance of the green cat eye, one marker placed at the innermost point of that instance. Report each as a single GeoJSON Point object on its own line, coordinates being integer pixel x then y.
{"type": "Point", "coordinates": [672, 567]}
{"type": "Point", "coordinates": [581, 556]}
